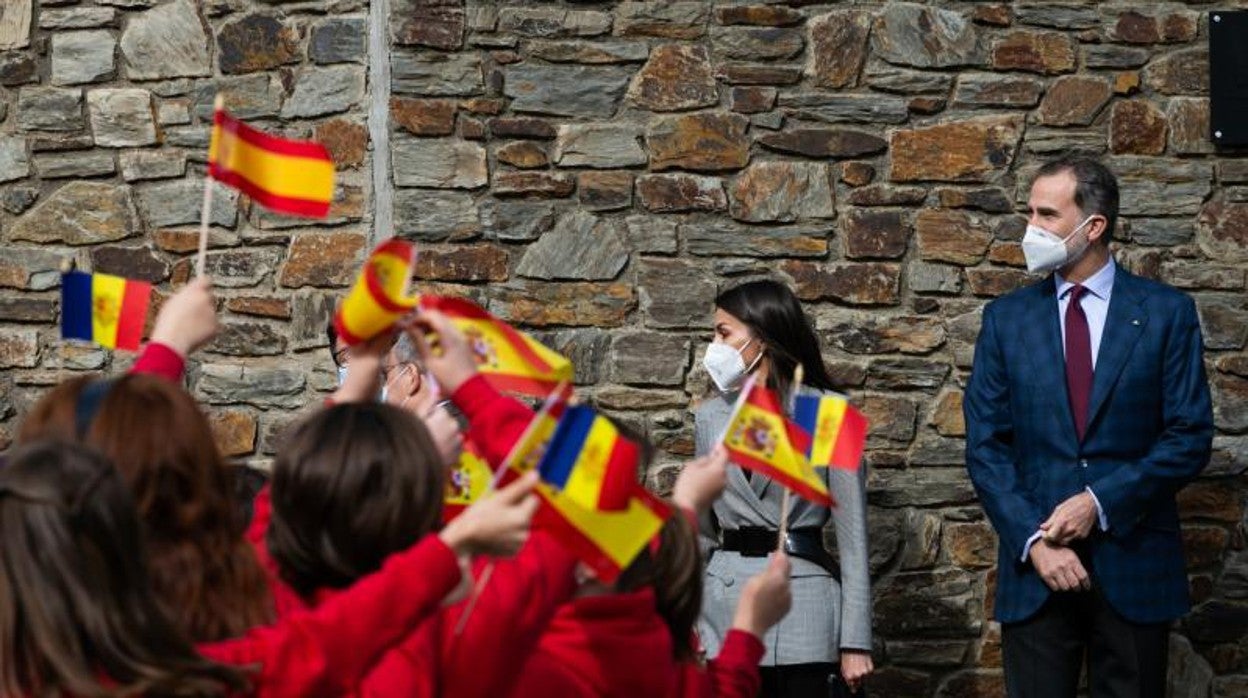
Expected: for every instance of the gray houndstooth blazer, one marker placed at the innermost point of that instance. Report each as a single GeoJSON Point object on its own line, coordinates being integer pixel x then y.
{"type": "Point", "coordinates": [826, 615]}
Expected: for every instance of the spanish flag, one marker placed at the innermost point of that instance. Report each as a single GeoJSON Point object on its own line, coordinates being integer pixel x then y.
{"type": "Point", "coordinates": [467, 481]}
{"type": "Point", "coordinates": [607, 541]}
{"type": "Point", "coordinates": [761, 438]}
{"type": "Point", "coordinates": [530, 448]}
{"type": "Point", "coordinates": [838, 431]}
{"type": "Point", "coordinates": [589, 462]}
{"type": "Point", "coordinates": [378, 297]}
{"type": "Point", "coordinates": [284, 175]}
{"type": "Point", "coordinates": [104, 309]}
{"type": "Point", "coordinates": [509, 359]}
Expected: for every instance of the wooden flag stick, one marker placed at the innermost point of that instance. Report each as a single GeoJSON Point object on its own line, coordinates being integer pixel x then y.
{"type": "Point", "coordinates": [477, 588]}
{"type": "Point", "coordinates": [798, 374]}
{"type": "Point", "coordinates": [206, 212]}
{"type": "Point", "coordinates": [528, 431]}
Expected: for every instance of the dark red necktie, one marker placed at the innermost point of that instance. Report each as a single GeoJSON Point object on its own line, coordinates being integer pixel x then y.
{"type": "Point", "coordinates": [1078, 360]}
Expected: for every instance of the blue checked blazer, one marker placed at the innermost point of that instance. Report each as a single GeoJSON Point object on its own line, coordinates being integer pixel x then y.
{"type": "Point", "coordinates": [1150, 431]}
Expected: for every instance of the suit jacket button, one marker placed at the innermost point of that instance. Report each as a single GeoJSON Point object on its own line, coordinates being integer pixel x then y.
{"type": "Point", "coordinates": [1083, 462]}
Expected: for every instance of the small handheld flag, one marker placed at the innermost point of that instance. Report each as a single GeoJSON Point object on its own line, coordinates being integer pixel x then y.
{"type": "Point", "coordinates": [378, 297]}
{"type": "Point", "coordinates": [838, 431]}
{"type": "Point", "coordinates": [760, 438]}
{"type": "Point", "coordinates": [606, 541]}
{"type": "Point", "coordinates": [468, 480]}
{"type": "Point", "coordinates": [281, 174]}
{"type": "Point", "coordinates": [589, 462]}
{"type": "Point", "coordinates": [509, 359]}
{"type": "Point", "coordinates": [105, 309]}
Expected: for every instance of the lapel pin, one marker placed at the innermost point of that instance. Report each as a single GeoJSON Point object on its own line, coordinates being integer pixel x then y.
{"type": "Point", "coordinates": [1135, 322]}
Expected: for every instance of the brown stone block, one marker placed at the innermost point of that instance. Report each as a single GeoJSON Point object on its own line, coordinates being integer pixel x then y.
{"type": "Point", "coordinates": [752, 100]}
{"type": "Point", "coordinates": [1236, 364]}
{"type": "Point", "coordinates": [523, 154]}
{"type": "Point", "coordinates": [439, 26]}
{"type": "Point", "coordinates": [993, 15]}
{"type": "Point", "coordinates": [857, 174]}
{"type": "Point", "coordinates": [256, 42]}
{"type": "Point", "coordinates": [991, 283]}
{"type": "Point", "coordinates": [537, 184]}
{"type": "Point", "coordinates": [260, 306]}
{"type": "Point", "coordinates": [130, 262]}
{"type": "Point", "coordinates": [1222, 230]}
{"type": "Point", "coordinates": [1203, 546]}
{"type": "Point", "coordinates": [424, 117]}
{"type": "Point", "coordinates": [180, 240]}
{"type": "Point", "coordinates": [870, 283]}
{"type": "Point", "coordinates": [747, 74]}
{"type": "Point", "coordinates": [549, 304]}
{"type": "Point", "coordinates": [234, 431]}
{"type": "Point", "coordinates": [346, 141]}
{"type": "Point", "coordinates": [1137, 127]}
{"type": "Point", "coordinates": [951, 236]}
{"type": "Point", "coordinates": [964, 151]}
{"type": "Point", "coordinates": [476, 262]}
{"type": "Point", "coordinates": [1127, 82]}
{"type": "Point", "coordinates": [668, 193]}
{"type": "Point", "coordinates": [1189, 126]}
{"type": "Point", "coordinates": [871, 333]}
{"type": "Point", "coordinates": [1133, 27]}
{"type": "Point", "coordinates": [1074, 100]}
{"type": "Point", "coordinates": [824, 142]}
{"type": "Point", "coordinates": [322, 260]}
{"type": "Point", "coordinates": [1007, 253]}
{"type": "Point", "coordinates": [926, 105]}
{"type": "Point", "coordinates": [522, 127]}
{"type": "Point", "coordinates": [1217, 500]}
{"type": "Point", "coordinates": [472, 129]}
{"type": "Point", "coordinates": [19, 348]}
{"type": "Point", "coordinates": [971, 545]}
{"type": "Point", "coordinates": [24, 309]}
{"type": "Point", "coordinates": [947, 414]}
{"type": "Point", "coordinates": [876, 234]}
{"type": "Point", "coordinates": [891, 418]}
{"type": "Point", "coordinates": [838, 47]}
{"type": "Point", "coordinates": [783, 192]}
{"type": "Point", "coordinates": [484, 106]}
{"type": "Point", "coordinates": [759, 15]}
{"type": "Point", "coordinates": [1184, 72]}
{"type": "Point", "coordinates": [675, 77]}
{"type": "Point", "coordinates": [887, 195]}
{"type": "Point", "coordinates": [1047, 53]}
{"type": "Point", "coordinates": [605, 191]}
{"type": "Point", "coordinates": [706, 142]}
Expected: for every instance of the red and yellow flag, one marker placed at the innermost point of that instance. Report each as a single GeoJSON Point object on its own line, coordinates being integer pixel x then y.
{"type": "Point", "coordinates": [468, 480]}
{"type": "Point", "coordinates": [607, 541]}
{"type": "Point", "coordinates": [377, 299]}
{"type": "Point", "coordinates": [838, 431]}
{"type": "Point", "coordinates": [761, 438]}
{"type": "Point", "coordinates": [285, 175]}
{"type": "Point", "coordinates": [509, 359]}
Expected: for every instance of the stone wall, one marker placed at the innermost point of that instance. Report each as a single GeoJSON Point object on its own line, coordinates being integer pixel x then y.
{"type": "Point", "coordinates": [596, 172]}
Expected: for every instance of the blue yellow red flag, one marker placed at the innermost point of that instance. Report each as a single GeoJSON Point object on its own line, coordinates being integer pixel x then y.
{"type": "Point", "coordinates": [761, 438]}
{"type": "Point", "coordinates": [105, 309]}
{"type": "Point", "coordinates": [285, 175]}
{"type": "Point", "coordinates": [509, 359]}
{"type": "Point", "coordinates": [838, 432]}
{"type": "Point", "coordinates": [589, 462]}
{"type": "Point", "coordinates": [379, 296]}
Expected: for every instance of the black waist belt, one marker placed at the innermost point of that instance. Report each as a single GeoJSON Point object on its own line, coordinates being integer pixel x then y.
{"type": "Point", "coordinates": [806, 543]}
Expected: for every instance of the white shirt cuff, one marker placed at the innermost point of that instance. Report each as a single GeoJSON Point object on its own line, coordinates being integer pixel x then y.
{"type": "Point", "coordinates": [1027, 548]}
{"type": "Point", "coordinates": [1100, 513]}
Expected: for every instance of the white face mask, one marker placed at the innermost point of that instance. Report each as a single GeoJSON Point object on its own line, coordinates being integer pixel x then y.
{"type": "Point", "coordinates": [1045, 251]}
{"type": "Point", "coordinates": [726, 366]}
{"type": "Point", "coordinates": [342, 375]}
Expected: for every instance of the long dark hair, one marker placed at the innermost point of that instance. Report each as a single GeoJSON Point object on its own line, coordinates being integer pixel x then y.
{"type": "Point", "coordinates": [775, 317]}
{"type": "Point", "coordinates": [674, 571]}
{"type": "Point", "coordinates": [204, 573]}
{"type": "Point", "coordinates": [353, 484]}
{"type": "Point", "coordinates": [77, 615]}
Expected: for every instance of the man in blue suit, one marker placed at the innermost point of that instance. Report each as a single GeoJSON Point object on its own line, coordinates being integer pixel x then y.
{"type": "Point", "coordinates": [1087, 410]}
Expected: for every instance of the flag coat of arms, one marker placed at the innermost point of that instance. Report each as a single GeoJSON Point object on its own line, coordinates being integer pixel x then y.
{"type": "Point", "coordinates": [838, 432]}
{"type": "Point", "coordinates": [281, 174]}
{"type": "Point", "coordinates": [510, 360]}
{"type": "Point", "coordinates": [761, 438]}
{"type": "Point", "coordinates": [590, 462]}
{"type": "Point", "coordinates": [105, 309]}
{"type": "Point", "coordinates": [468, 480]}
{"type": "Point", "coordinates": [377, 299]}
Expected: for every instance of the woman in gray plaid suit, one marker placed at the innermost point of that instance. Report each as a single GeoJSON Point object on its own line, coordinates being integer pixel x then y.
{"type": "Point", "coordinates": [825, 641]}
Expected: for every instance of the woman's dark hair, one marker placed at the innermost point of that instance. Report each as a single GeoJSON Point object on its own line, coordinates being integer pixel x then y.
{"type": "Point", "coordinates": [674, 571]}
{"type": "Point", "coordinates": [205, 575]}
{"type": "Point", "coordinates": [775, 317]}
{"type": "Point", "coordinates": [353, 484]}
{"type": "Point", "coordinates": [77, 615]}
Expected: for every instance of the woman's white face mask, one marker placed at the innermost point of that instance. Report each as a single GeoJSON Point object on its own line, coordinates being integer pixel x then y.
{"type": "Point", "coordinates": [726, 365]}
{"type": "Point", "coordinates": [1045, 251]}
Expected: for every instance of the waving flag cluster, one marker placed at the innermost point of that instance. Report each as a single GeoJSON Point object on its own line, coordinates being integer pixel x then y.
{"type": "Point", "coordinates": [378, 298]}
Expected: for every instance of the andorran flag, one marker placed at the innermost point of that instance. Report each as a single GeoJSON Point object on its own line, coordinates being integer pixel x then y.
{"type": "Point", "coordinates": [510, 360]}
{"type": "Point", "coordinates": [838, 432]}
{"type": "Point", "coordinates": [378, 297]}
{"type": "Point", "coordinates": [283, 175]}
{"type": "Point", "coordinates": [104, 309]}
{"type": "Point", "coordinates": [469, 479]}
{"type": "Point", "coordinates": [761, 438]}
{"type": "Point", "coordinates": [606, 541]}
{"type": "Point", "coordinates": [590, 462]}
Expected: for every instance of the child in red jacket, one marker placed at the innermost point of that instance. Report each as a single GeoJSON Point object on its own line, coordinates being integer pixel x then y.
{"type": "Point", "coordinates": [78, 617]}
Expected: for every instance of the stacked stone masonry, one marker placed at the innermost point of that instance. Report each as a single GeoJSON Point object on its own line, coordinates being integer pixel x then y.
{"type": "Point", "coordinates": [596, 171]}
